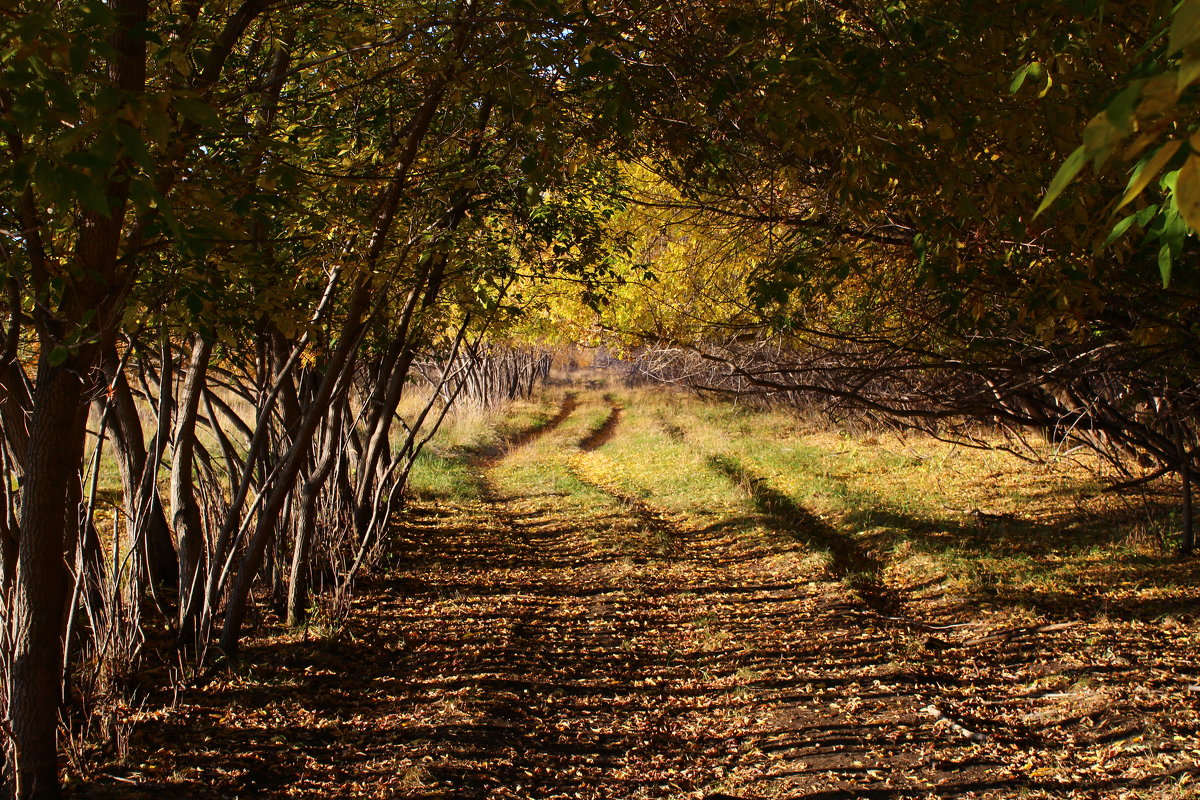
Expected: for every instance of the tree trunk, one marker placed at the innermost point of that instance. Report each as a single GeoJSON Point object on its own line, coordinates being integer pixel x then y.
{"type": "Point", "coordinates": [297, 598]}
{"type": "Point", "coordinates": [1187, 541]}
{"type": "Point", "coordinates": [185, 511]}
{"type": "Point", "coordinates": [55, 452]}
{"type": "Point", "coordinates": [15, 402]}
{"type": "Point", "coordinates": [340, 364]}
{"type": "Point", "coordinates": [142, 500]}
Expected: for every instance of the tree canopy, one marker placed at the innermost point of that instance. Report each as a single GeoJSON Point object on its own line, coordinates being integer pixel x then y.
{"type": "Point", "coordinates": [255, 218]}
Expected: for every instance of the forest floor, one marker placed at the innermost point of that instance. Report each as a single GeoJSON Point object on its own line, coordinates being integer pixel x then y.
{"type": "Point", "coordinates": [628, 601]}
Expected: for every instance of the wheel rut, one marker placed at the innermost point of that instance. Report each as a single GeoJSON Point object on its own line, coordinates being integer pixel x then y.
{"type": "Point", "coordinates": [598, 437]}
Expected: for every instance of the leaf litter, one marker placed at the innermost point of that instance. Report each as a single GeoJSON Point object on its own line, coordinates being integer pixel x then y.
{"type": "Point", "coordinates": [514, 648]}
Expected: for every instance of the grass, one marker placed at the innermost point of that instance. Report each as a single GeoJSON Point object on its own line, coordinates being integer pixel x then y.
{"type": "Point", "coordinates": [978, 524]}
{"type": "Point", "coordinates": [443, 469]}
{"type": "Point", "coordinates": [884, 513]}
{"type": "Point", "coordinates": [904, 512]}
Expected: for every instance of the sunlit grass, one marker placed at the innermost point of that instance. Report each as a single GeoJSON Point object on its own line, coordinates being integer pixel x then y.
{"type": "Point", "coordinates": [979, 524]}
{"type": "Point", "coordinates": [443, 469]}
{"type": "Point", "coordinates": [907, 514]}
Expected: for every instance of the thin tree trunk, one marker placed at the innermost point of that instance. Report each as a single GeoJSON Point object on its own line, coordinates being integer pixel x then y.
{"type": "Point", "coordinates": [1187, 542]}
{"type": "Point", "coordinates": [15, 402]}
{"type": "Point", "coordinates": [339, 364]}
{"type": "Point", "coordinates": [142, 499]}
{"type": "Point", "coordinates": [297, 599]}
{"type": "Point", "coordinates": [389, 202]}
{"type": "Point", "coordinates": [185, 511]}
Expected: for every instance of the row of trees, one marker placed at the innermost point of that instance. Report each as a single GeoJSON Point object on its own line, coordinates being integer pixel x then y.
{"type": "Point", "coordinates": [878, 217]}
{"type": "Point", "coordinates": [250, 222]}
{"type": "Point", "coordinates": [231, 232]}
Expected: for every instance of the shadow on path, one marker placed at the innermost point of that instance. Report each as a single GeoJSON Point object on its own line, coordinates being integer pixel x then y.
{"type": "Point", "coordinates": [850, 563]}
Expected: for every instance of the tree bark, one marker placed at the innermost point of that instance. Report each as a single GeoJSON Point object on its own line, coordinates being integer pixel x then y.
{"type": "Point", "coordinates": [55, 452]}
{"type": "Point", "coordinates": [297, 599]}
{"type": "Point", "coordinates": [1187, 541]}
{"type": "Point", "coordinates": [185, 511]}
{"type": "Point", "coordinates": [142, 499]}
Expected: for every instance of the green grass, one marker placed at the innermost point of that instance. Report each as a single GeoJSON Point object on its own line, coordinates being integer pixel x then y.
{"type": "Point", "coordinates": [442, 474]}
{"type": "Point", "coordinates": [878, 511]}
{"type": "Point", "coordinates": [444, 468]}
{"type": "Point", "coordinates": [984, 525]}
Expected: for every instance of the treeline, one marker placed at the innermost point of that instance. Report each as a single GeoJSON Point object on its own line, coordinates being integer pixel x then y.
{"type": "Point", "coordinates": [235, 237]}
{"type": "Point", "coordinates": [232, 233]}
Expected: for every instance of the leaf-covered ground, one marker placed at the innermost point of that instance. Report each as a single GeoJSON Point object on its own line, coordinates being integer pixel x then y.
{"type": "Point", "coordinates": [607, 616]}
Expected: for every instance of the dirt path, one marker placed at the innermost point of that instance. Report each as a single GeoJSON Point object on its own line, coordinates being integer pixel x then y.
{"type": "Point", "coordinates": [517, 650]}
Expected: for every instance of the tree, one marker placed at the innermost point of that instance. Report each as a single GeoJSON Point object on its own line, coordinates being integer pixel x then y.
{"type": "Point", "coordinates": [883, 167]}
{"type": "Point", "coordinates": [261, 207]}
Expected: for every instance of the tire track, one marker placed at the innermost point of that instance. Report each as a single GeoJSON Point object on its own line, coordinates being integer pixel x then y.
{"type": "Point", "coordinates": [532, 433]}
{"type": "Point", "coordinates": [601, 435]}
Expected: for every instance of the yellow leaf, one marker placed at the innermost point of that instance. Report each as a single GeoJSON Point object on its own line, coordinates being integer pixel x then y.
{"type": "Point", "coordinates": [1187, 192]}
{"type": "Point", "coordinates": [1147, 173]}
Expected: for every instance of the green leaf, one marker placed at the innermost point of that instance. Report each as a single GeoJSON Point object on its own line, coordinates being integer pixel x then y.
{"type": "Point", "coordinates": [1066, 173]}
{"type": "Point", "coordinates": [1120, 228]}
{"type": "Point", "coordinates": [1018, 79]}
{"type": "Point", "coordinates": [1185, 27]}
{"type": "Point", "coordinates": [1033, 70]}
{"type": "Point", "coordinates": [57, 356]}
{"type": "Point", "coordinates": [1174, 232]}
{"type": "Point", "coordinates": [131, 140]}
{"type": "Point", "coordinates": [1164, 264]}
{"type": "Point", "coordinates": [63, 98]}
{"type": "Point", "coordinates": [1148, 170]}
{"type": "Point", "coordinates": [143, 195]}
{"type": "Point", "coordinates": [1046, 89]}
{"type": "Point", "coordinates": [1187, 192]}
{"type": "Point", "coordinates": [198, 112]}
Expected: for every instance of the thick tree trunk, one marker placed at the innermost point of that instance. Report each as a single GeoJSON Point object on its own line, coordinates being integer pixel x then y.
{"type": "Point", "coordinates": [55, 453]}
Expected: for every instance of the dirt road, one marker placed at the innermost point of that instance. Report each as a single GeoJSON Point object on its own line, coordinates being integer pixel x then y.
{"type": "Point", "coordinates": [559, 639]}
